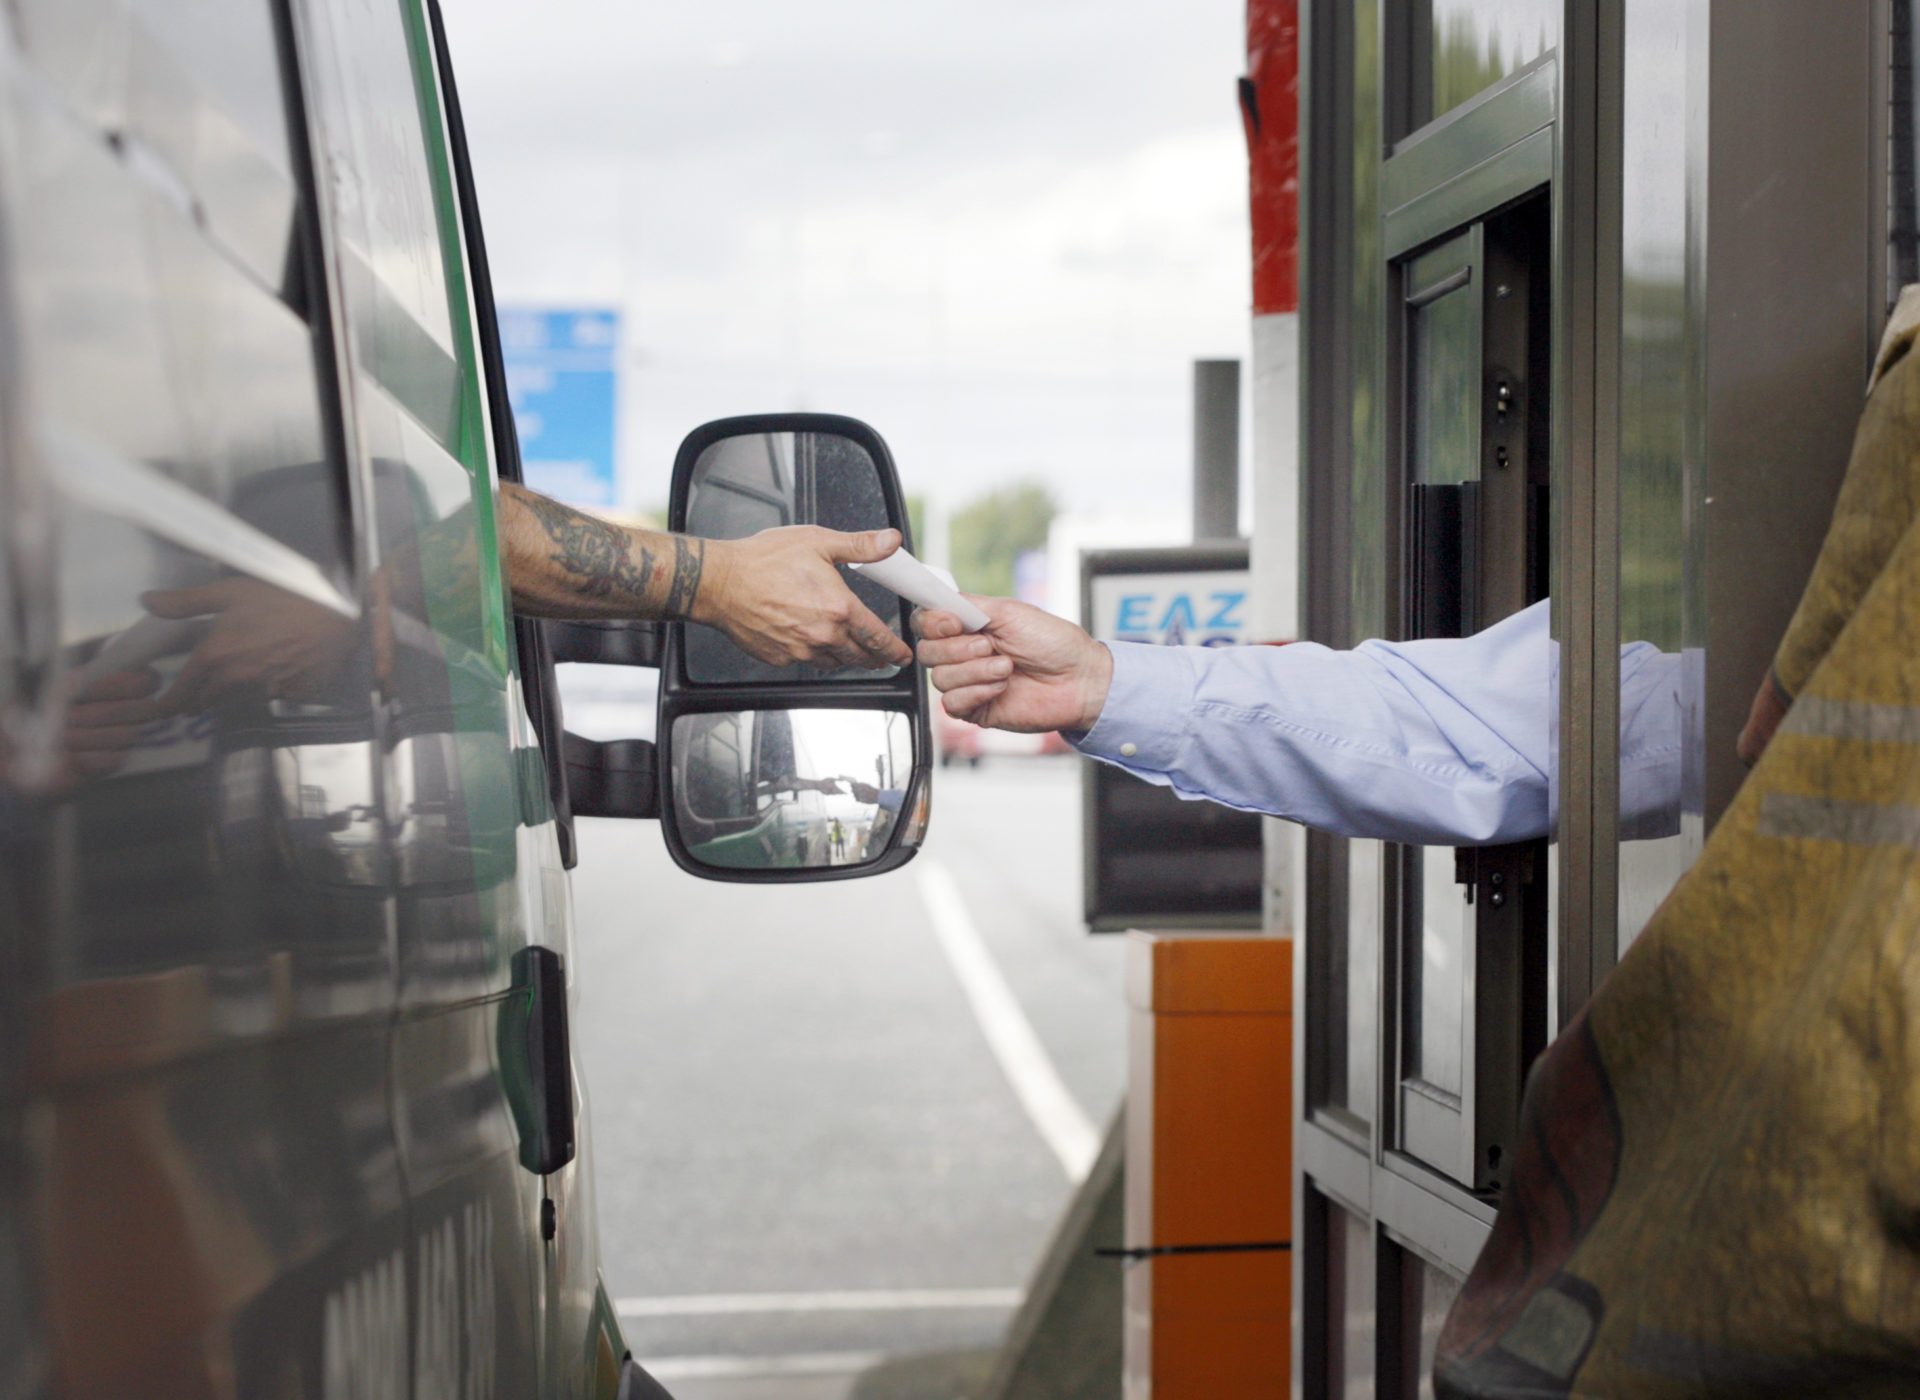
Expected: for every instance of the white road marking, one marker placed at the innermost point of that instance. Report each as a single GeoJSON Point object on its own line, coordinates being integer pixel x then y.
{"type": "Point", "coordinates": [1023, 1059]}
{"type": "Point", "coordinates": [847, 1300]}
{"type": "Point", "coordinates": [818, 1363]}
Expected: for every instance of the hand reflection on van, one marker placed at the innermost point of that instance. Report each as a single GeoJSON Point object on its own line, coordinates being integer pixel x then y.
{"type": "Point", "coordinates": [262, 638]}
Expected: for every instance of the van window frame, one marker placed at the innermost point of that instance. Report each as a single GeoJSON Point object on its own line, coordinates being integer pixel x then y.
{"type": "Point", "coordinates": [539, 686]}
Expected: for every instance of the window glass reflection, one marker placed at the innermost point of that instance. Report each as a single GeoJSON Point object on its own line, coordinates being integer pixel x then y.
{"type": "Point", "coordinates": [1654, 481]}
{"type": "Point", "coordinates": [790, 789]}
{"type": "Point", "coordinates": [388, 170]}
{"type": "Point", "coordinates": [762, 481]}
{"type": "Point", "coordinates": [1476, 43]}
{"type": "Point", "coordinates": [1349, 1285]}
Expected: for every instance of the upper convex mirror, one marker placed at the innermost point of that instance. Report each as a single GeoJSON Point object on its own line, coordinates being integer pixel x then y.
{"type": "Point", "coordinates": [753, 481]}
{"type": "Point", "coordinates": [790, 789]}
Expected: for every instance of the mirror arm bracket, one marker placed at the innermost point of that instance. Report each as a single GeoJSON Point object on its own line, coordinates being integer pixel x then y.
{"type": "Point", "coordinates": [615, 643]}
{"type": "Point", "coordinates": [615, 779]}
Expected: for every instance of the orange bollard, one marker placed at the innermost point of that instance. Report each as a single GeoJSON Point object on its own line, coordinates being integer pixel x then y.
{"type": "Point", "coordinates": [1209, 1167]}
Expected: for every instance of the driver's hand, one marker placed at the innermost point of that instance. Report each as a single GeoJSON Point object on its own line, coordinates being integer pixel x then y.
{"type": "Point", "coordinates": [781, 599]}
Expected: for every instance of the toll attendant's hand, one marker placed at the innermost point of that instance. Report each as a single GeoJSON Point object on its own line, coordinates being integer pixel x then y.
{"type": "Point", "coordinates": [1028, 672]}
{"type": "Point", "coordinates": [779, 597]}
{"type": "Point", "coordinates": [263, 639]}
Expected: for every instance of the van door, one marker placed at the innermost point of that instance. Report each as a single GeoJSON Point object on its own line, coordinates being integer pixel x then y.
{"type": "Point", "coordinates": [195, 899]}
{"type": "Point", "coordinates": [475, 868]}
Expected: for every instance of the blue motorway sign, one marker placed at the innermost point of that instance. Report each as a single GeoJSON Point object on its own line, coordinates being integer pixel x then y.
{"type": "Point", "coordinates": [562, 380]}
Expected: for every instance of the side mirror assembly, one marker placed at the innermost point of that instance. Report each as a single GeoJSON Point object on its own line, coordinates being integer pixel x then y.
{"type": "Point", "coordinates": [789, 773]}
{"type": "Point", "coordinates": [764, 773]}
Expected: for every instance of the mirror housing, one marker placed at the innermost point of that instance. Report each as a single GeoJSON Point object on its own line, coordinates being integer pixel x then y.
{"type": "Point", "coordinates": [834, 797]}
{"type": "Point", "coordinates": [819, 805]}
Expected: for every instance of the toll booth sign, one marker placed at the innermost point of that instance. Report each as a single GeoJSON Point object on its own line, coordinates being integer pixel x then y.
{"type": "Point", "coordinates": [1154, 860]}
{"type": "Point", "coordinates": [1206, 609]}
{"type": "Point", "coordinates": [562, 376]}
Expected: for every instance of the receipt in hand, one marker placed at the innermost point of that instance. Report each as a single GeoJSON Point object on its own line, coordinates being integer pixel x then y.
{"type": "Point", "coordinates": [924, 586]}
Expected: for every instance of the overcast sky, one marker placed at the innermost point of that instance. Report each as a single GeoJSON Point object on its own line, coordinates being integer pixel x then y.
{"type": "Point", "coordinates": [998, 230]}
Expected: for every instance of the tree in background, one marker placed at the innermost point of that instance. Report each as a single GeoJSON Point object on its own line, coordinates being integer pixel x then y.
{"type": "Point", "coordinates": [988, 534]}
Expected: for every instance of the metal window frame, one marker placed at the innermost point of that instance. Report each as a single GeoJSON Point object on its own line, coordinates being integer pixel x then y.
{"type": "Point", "coordinates": [1492, 151]}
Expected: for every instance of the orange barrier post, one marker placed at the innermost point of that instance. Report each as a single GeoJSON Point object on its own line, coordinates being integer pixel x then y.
{"type": "Point", "coordinates": [1209, 1167]}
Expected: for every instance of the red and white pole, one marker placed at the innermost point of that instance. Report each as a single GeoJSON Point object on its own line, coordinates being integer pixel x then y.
{"type": "Point", "coordinates": [1270, 105]}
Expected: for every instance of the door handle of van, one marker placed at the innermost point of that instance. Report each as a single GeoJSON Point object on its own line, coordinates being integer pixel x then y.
{"type": "Point", "coordinates": [536, 1060]}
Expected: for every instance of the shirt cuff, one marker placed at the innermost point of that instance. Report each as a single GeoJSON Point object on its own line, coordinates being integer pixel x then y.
{"type": "Point", "coordinates": [1144, 721]}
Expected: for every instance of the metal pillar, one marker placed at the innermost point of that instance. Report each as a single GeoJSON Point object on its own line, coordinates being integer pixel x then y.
{"type": "Point", "coordinates": [1216, 450]}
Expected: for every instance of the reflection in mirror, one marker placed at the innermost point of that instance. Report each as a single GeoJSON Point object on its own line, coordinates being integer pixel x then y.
{"type": "Point", "coordinates": [790, 789]}
{"type": "Point", "coordinates": [760, 481]}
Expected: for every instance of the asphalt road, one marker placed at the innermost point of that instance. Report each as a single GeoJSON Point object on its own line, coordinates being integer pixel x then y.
{"type": "Point", "coordinates": [818, 1177]}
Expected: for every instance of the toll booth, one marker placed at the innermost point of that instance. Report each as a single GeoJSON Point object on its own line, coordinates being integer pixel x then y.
{"type": "Point", "coordinates": [1589, 294]}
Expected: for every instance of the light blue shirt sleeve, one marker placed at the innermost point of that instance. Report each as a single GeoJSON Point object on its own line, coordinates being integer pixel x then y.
{"type": "Point", "coordinates": [1442, 742]}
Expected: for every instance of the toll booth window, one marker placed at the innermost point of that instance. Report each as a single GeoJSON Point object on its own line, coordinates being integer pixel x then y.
{"type": "Point", "coordinates": [1903, 153]}
{"type": "Point", "coordinates": [1463, 47]}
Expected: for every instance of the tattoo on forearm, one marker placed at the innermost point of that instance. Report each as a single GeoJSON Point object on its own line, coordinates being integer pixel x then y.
{"type": "Point", "coordinates": [689, 558]}
{"type": "Point", "coordinates": [593, 552]}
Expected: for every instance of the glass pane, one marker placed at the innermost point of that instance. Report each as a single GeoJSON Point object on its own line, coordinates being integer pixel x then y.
{"type": "Point", "coordinates": [764, 481]}
{"type": "Point", "coordinates": [1369, 563]}
{"type": "Point", "coordinates": [1476, 43]}
{"type": "Point", "coordinates": [1427, 1295]}
{"type": "Point", "coordinates": [1350, 1343]}
{"type": "Point", "coordinates": [1903, 189]}
{"type": "Point", "coordinates": [391, 200]}
{"type": "Point", "coordinates": [1437, 970]}
{"type": "Point", "coordinates": [1330, 964]}
{"type": "Point", "coordinates": [790, 789]}
{"type": "Point", "coordinates": [1368, 571]}
{"type": "Point", "coordinates": [1365, 894]}
{"type": "Point", "coordinates": [1444, 370]}
{"type": "Point", "coordinates": [1654, 485]}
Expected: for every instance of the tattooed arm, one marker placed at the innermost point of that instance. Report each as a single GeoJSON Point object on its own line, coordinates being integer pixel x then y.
{"type": "Point", "coordinates": [776, 594]}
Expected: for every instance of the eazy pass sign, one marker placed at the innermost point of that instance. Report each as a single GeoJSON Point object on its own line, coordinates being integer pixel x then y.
{"type": "Point", "coordinates": [1198, 609]}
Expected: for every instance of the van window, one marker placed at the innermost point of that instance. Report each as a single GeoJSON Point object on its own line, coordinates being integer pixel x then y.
{"type": "Point", "coordinates": [456, 794]}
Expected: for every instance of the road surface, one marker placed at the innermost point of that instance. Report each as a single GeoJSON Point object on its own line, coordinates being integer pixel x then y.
{"type": "Point", "coordinates": [834, 1125]}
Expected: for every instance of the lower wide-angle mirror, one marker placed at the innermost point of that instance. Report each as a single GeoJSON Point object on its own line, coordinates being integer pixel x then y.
{"type": "Point", "coordinates": [790, 789]}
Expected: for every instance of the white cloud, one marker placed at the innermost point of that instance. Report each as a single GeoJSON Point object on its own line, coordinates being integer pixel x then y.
{"type": "Point", "coordinates": [999, 231]}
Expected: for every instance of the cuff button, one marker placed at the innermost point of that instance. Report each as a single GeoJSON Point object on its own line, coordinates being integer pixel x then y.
{"type": "Point", "coordinates": [1129, 750]}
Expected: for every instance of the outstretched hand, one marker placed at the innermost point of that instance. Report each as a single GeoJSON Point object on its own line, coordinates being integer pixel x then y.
{"type": "Point", "coordinates": [1028, 672]}
{"type": "Point", "coordinates": [779, 597]}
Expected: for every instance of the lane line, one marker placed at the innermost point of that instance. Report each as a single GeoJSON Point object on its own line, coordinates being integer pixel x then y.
{"type": "Point", "coordinates": [818, 1363]}
{"type": "Point", "coordinates": [1061, 1122]}
{"type": "Point", "coordinates": [847, 1300]}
